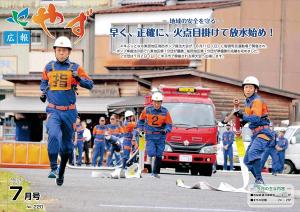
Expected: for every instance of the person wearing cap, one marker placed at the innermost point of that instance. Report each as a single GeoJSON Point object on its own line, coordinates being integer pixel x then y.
{"type": "Point", "coordinates": [271, 151]}
{"type": "Point", "coordinates": [228, 139]}
{"type": "Point", "coordinates": [128, 127]}
{"type": "Point", "coordinates": [59, 83]}
{"type": "Point", "coordinates": [256, 114]}
{"type": "Point", "coordinates": [99, 142]}
{"type": "Point", "coordinates": [79, 140]}
{"type": "Point", "coordinates": [281, 146]}
{"type": "Point", "coordinates": [156, 121]}
{"type": "Point", "coordinates": [116, 130]}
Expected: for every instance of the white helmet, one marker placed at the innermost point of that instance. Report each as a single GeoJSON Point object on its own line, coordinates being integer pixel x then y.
{"type": "Point", "coordinates": [154, 89]}
{"type": "Point", "coordinates": [157, 96]}
{"type": "Point", "coordinates": [62, 41]}
{"type": "Point", "coordinates": [250, 80]}
{"type": "Point", "coordinates": [128, 113]}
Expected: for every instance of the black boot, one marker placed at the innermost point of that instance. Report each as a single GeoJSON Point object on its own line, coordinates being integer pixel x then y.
{"type": "Point", "coordinates": [124, 163]}
{"type": "Point", "coordinates": [62, 167]}
{"type": "Point", "coordinates": [157, 165]}
{"type": "Point", "coordinates": [71, 159]}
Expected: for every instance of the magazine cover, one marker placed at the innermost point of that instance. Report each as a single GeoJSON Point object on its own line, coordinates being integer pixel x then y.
{"type": "Point", "coordinates": [149, 105]}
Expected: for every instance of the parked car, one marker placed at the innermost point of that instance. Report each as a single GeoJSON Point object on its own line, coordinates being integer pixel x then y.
{"type": "Point", "coordinates": [292, 154]}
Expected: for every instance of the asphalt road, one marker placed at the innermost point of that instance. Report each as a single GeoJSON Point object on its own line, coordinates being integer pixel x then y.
{"type": "Point", "coordinates": [81, 192]}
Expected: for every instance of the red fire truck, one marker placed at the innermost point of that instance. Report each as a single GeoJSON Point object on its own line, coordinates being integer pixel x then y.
{"type": "Point", "coordinates": [192, 144]}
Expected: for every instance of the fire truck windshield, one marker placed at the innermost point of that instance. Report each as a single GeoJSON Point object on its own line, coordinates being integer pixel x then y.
{"type": "Point", "coordinates": [191, 115]}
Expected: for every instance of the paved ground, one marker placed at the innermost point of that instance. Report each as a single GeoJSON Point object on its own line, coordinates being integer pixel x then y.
{"type": "Point", "coordinates": [81, 192]}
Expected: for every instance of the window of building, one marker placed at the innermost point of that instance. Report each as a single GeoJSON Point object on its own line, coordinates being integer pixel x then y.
{"type": "Point", "coordinates": [36, 37]}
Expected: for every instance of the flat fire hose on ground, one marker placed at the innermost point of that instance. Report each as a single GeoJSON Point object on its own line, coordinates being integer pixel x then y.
{"type": "Point", "coordinates": [223, 186]}
{"type": "Point", "coordinates": [134, 171]}
{"type": "Point", "coordinates": [241, 153]}
{"type": "Point", "coordinates": [101, 168]}
{"type": "Point", "coordinates": [131, 172]}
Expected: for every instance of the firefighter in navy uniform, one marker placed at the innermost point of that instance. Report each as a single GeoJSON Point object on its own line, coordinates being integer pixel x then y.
{"type": "Point", "coordinates": [256, 114]}
{"type": "Point", "coordinates": [114, 141]}
{"type": "Point", "coordinates": [59, 82]}
{"type": "Point", "coordinates": [99, 142]}
{"type": "Point", "coordinates": [79, 140]}
{"type": "Point", "coordinates": [281, 146]}
{"type": "Point", "coordinates": [270, 150]}
{"type": "Point", "coordinates": [116, 130]}
{"type": "Point", "coordinates": [157, 122]}
{"type": "Point", "coordinates": [128, 128]}
{"type": "Point", "coordinates": [228, 139]}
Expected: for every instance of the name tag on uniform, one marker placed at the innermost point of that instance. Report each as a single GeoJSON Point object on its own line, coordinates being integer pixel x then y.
{"type": "Point", "coordinates": [60, 80]}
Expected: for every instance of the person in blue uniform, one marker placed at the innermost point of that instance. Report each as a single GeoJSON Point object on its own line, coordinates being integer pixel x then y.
{"type": "Point", "coordinates": [114, 142]}
{"type": "Point", "coordinates": [114, 129]}
{"type": "Point", "coordinates": [79, 141]}
{"type": "Point", "coordinates": [271, 151]}
{"type": "Point", "coordinates": [156, 121]}
{"type": "Point", "coordinates": [228, 139]}
{"type": "Point", "coordinates": [256, 114]}
{"type": "Point", "coordinates": [99, 142]}
{"type": "Point", "coordinates": [59, 84]}
{"type": "Point", "coordinates": [128, 127]}
{"type": "Point", "coordinates": [281, 146]}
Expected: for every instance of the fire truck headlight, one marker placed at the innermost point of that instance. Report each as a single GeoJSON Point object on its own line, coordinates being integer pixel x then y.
{"type": "Point", "coordinates": [209, 149]}
{"type": "Point", "coordinates": [168, 148]}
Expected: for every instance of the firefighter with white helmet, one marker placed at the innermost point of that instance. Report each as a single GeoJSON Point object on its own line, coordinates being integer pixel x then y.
{"type": "Point", "coordinates": [156, 121]}
{"type": "Point", "coordinates": [128, 113]}
{"type": "Point", "coordinates": [251, 80]}
{"type": "Point", "coordinates": [60, 79]}
{"type": "Point", "coordinates": [62, 41]}
{"type": "Point", "coordinates": [154, 89]}
{"type": "Point", "coordinates": [256, 114]}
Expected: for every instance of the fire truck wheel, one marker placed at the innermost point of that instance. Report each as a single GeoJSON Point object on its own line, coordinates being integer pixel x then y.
{"type": "Point", "coordinates": [194, 170]}
{"type": "Point", "coordinates": [206, 170]}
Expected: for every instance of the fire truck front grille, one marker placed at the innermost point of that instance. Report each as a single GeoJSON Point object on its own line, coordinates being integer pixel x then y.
{"type": "Point", "coordinates": [191, 148]}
